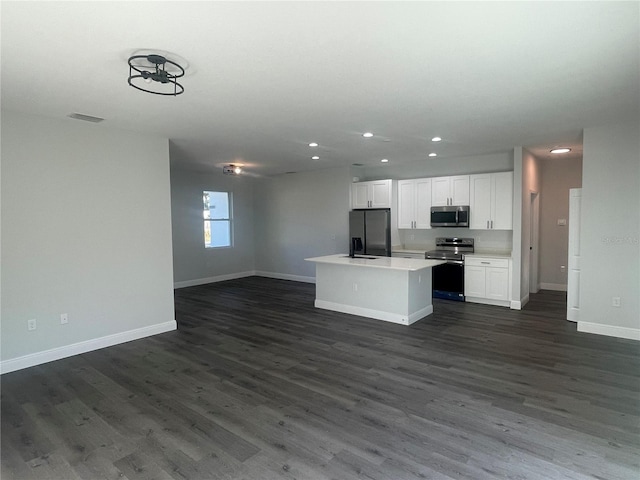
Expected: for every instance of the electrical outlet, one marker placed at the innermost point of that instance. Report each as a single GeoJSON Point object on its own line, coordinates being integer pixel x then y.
{"type": "Point", "coordinates": [64, 319]}
{"type": "Point", "coordinates": [31, 324]}
{"type": "Point", "coordinates": [615, 301]}
{"type": "Point", "coordinates": [563, 268]}
{"type": "Point", "coordinates": [355, 287]}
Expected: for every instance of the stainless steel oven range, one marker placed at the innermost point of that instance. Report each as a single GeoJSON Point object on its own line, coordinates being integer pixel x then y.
{"type": "Point", "coordinates": [448, 279]}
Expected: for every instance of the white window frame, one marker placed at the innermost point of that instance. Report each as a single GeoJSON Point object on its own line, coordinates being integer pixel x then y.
{"type": "Point", "coordinates": [208, 221]}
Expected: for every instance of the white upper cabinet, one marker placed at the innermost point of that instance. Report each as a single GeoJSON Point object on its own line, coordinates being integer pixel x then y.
{"type": "Point", "coordinates": [375, 194]}
{"type": "Point", "coordinates": [491, 201]}
{"type": "Point", "coordinates": [414, 203]}
{"type": "Point", "coordinates": [450, 191]}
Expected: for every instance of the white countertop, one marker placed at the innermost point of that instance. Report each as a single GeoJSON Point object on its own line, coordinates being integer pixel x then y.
{"type": "Point", "coordinates": [390, 263]}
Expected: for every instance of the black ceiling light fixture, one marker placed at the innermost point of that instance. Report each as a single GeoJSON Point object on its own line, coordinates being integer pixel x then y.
{"type": "Point", "coordinates": [154, 73]}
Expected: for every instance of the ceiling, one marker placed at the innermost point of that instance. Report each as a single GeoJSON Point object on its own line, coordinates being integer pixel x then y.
{"type": "Point", "coordinates": [265, 79]}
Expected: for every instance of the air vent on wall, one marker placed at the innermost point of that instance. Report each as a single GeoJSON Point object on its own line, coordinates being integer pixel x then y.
{"type": "Point", "coordinates": [86, 118]}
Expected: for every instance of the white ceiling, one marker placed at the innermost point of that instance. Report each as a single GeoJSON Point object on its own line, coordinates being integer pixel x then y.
{"type": "Point", "coordinates": [266, 78]}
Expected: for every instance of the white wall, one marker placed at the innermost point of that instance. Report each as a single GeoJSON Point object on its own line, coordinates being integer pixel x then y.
{"type": "Point", "coordinates": [558, 176]}
{"type": "Point", "coordinates": [486, 241]}
{"type": "Point", "coordinates": [435, 167]}
{"type": "Point", "coordinates": [193, 263]}
{"type": "Point", "coordinates": [86, 230]}
{"type": "Point", "coordinates": [610, 234]}
{"type": "Point", "coordinates": [298, 216]}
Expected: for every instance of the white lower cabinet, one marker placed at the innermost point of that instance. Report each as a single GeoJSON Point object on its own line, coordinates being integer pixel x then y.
{"type": "Point", "coordinates": [487, 280]}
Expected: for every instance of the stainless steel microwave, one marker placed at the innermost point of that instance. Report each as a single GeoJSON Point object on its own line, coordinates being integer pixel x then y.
{"type": "Point", "coordinates": [451, 216]}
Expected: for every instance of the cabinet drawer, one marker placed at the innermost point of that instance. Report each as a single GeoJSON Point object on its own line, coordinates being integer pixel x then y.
{"type": "Point", "coordinates": [486, 262]}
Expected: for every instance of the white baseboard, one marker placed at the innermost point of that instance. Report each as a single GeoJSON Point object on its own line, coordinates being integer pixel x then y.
{"type": "Point", "coordinates": [376, 314]}
{"type": "Point", "coordinates": [488, 301]}
{"type": "Point", "coordinates": [217, 278]}
{"type": "Point", "coordinates": [609, 330]}
{"type": "Point", "coordinates": [285, 276]}
{"type": "Point", "coordinates": [517, 305]}
{"type": "Point", "coordinates": [58, 353]}
{"type": "Point", "coordinates": [558, 287]}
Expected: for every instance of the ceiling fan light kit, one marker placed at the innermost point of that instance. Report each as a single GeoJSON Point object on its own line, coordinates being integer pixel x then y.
{"type": "Point", "coordinates": [155, 74]}
{"type": "Point", "coordinates": [232, 169]}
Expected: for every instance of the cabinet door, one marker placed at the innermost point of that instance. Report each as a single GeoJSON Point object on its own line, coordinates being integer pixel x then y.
{"type": "Point", "coordinates": [479, 201]}
{"type": "Point", "coordinates": [406, 203]}
{"type": "Point", "coordinates": [440, 191]}
{"type": "Point", "coordinates": [474, 281]}
{"type": "Point", "coordinates": [380, 194]}
{"type": "Point", "coordinates": [460, 190]}
{"type": "Point", "coordinates": [423, 203]}
{"type": "Point", "coordinates": [360, 195]}
{"type": "Point", "coordinates": [502, 201]}
{"type": "Point", "coordinates": [497, 283]}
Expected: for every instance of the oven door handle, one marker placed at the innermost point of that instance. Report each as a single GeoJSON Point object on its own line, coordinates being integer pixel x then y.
{"type": "Point", "coordinates": [456, 262]}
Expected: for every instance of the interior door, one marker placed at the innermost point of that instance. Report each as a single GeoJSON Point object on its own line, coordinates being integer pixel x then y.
{"type": "Point", "coordinates": [573, 278]}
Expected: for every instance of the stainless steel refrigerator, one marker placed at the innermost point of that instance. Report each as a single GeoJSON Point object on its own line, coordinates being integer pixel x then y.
{"type": "Point", "coordinates": [373, 226]}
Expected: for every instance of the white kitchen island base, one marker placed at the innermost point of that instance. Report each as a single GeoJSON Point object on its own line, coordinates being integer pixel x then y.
{"type": "Point", "coordinates": [395, 290]}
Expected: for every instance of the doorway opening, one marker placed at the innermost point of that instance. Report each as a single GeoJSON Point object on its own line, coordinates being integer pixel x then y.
{"type": "Point", "coordinates": [534, 238]}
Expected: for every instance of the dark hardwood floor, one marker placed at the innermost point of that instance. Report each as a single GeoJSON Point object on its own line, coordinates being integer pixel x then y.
{"type": "Point", "coordinates": [258, 384]}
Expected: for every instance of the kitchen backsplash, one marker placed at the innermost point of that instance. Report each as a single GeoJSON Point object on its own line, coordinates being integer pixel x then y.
{"type": "Point", "coordinates": [486, 241]}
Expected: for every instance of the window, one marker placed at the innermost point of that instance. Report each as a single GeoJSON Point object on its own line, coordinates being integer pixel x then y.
{"type": "Point", "coordinates": [217, 219]}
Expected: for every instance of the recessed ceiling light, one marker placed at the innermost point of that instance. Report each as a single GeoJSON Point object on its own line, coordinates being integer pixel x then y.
{"type": "Point", "coordinates": [384, 160]}
{"type": "Point", "coordinates": [313, 144]}
{"type": "Point", "coordinates": [436, 139]}
{"type": "Point", "coordinates": [315, 157]}
{"type": "Point", "coordinates": [560, 150]}
{"type": "Point", "coordinates": [367, 135]}
{"type": "Point", "coordinates": [433, 154]}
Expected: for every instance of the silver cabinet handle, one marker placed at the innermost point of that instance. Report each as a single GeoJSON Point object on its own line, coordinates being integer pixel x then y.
{"type": "Point", "coordinates": [486, 263]}
{"type": "Point", "coordinates": [491, 223]}
{"type": "Point", "coordinates": [487, 224]}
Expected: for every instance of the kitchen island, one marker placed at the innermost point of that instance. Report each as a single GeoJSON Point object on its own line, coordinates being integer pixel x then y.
{"type": "Point", "coordinates": [392, 289]}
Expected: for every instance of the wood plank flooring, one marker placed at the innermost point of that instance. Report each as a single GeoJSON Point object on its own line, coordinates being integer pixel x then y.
{"type": "Point", "coordinates": [258, 384]}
